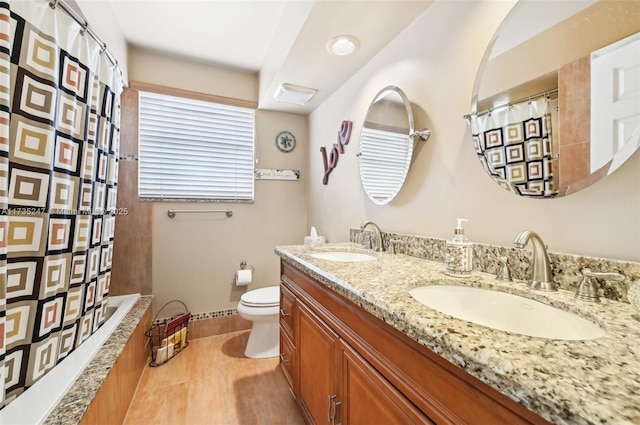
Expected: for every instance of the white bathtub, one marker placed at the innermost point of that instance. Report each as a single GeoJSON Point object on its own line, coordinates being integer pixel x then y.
{"type": "Point", "coordinates": [34, 405]}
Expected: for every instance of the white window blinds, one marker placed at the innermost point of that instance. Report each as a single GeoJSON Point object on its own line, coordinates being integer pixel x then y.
{"type": "Point", "coordinates": [194, 150]}
{"type": "Point", "coordinates": [385, 157]}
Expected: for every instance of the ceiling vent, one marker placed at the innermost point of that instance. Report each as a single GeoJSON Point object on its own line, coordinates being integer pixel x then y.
{"type": "Point", "coordinates": [294, 94]}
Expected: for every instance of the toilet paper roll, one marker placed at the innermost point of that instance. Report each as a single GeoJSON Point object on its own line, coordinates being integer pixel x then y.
{"type": "Point", "coordinates": [243, 277]}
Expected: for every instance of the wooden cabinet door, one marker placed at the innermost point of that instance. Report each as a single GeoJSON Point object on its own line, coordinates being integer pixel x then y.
{"type": "Point", "coordinates": [368, 398]}
{"type": "Point", "coordinates": [316, 365]}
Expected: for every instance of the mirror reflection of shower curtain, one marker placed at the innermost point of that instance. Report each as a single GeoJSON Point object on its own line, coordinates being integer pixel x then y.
{"type": "Point", "coordinates": [59, 143]}
{"type": "Point", "coordinates": [514, 144]}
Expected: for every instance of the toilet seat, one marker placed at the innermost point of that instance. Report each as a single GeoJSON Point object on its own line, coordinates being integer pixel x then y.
{"type": "Point", "coordinates": [262, 297]}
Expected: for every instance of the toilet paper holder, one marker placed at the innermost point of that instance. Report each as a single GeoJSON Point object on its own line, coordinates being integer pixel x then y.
{"type": "Point", "coordinates": [243, 265]}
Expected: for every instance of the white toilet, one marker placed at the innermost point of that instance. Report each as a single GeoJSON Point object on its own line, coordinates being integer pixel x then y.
{"type": "Point", "coordinates": [262, 307]}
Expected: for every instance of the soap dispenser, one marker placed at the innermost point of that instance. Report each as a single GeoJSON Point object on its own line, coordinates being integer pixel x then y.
{"type": "Point", "coordinates": [459, 253]}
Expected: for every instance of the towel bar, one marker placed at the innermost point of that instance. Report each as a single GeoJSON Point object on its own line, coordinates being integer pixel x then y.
{"type": "Point", "coordinates": [172, 213]}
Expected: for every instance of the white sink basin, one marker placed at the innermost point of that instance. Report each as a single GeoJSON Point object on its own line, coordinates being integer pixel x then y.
{"type": "Point", "coordinates": [343, 256]}
{"type": "Point", "coordinates": [506, 312]}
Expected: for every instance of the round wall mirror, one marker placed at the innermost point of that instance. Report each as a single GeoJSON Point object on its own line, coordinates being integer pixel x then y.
{"type": "Point", "coordinates": [556, 102]}
{"type": "Point", "coordinates": [386, 145]}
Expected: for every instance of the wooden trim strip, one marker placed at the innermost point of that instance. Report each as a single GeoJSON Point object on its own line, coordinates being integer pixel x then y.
{"type": "Point", "coordinates": [153, 88]}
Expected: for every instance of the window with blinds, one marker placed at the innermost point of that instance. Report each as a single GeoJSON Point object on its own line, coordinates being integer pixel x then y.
{"type": "Point", "coordinates": [194, 150]}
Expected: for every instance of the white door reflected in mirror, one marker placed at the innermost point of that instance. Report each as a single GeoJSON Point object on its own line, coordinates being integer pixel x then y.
{"type": "Point", "coordinates": [615, 103]}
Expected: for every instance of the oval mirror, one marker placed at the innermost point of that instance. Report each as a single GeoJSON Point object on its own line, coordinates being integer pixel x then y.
{"type": "Point", "coordinates": [556, 102]}
{"type": "Point", "coordinates": [386, 145]}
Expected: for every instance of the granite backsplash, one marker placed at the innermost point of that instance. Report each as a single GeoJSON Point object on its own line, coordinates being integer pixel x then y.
{"type": "Point", "coordinates": [566, 267]}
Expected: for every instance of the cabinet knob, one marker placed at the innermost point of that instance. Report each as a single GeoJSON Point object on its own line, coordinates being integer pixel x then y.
{"type": "Point", "coordinates": [282, 359]}
{"type": "Point", "coordinates": [283, 313]}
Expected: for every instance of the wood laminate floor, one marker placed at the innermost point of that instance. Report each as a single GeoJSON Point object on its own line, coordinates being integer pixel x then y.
{"type": "Point", "coordinates": [211, 382]}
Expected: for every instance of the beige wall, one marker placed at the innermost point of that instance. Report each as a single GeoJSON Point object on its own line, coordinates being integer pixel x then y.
{"type": "Point", "coordinates": [153, 68]}
{"type": "Point", "coordinates": [195, 256]}
{"type": "Point", "coordinates": [435, 61]}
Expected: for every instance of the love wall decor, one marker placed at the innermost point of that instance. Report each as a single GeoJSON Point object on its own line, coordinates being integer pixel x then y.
{"type": "Point", "coordinates": [338, 148]}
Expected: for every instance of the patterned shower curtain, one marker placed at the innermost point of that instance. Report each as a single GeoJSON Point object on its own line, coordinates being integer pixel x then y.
{"type": "Point", "coordinates": [59, 139]}
{"type": "Point", "coordinates": [514, 145]}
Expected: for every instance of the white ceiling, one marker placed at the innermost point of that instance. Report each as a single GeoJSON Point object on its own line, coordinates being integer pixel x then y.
{"type": "Point", "coordinates": [282, 40]}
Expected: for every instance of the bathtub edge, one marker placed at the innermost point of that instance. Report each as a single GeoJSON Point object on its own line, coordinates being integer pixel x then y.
{"type": "Point", "coordinates": [80, 375]}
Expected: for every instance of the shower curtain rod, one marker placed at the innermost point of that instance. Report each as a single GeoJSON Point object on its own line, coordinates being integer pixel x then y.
{"type": "Point", "coordinates": [86, 28]}
{"type": "Point", "coordinates": [487, 111]}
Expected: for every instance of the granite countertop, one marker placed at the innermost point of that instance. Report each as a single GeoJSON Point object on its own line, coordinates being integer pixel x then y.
{"type": "Point", "coordinates": [566, 382]}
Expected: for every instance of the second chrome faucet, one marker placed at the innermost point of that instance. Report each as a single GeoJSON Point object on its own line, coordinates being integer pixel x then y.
{"type": "Point", "coordinates": [541, 276]}
{"type": "Point", "coordinates": [378, 245]}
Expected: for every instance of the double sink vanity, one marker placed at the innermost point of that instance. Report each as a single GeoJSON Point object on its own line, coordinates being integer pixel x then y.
{"type": "Point", "coordinates": [389, 338]}
{"type": "Point", "coordinates": [376, 338]}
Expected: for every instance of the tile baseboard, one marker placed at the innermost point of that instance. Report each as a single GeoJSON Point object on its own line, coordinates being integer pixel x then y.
{"type": "Point", "coordinates": [202, 325]}
{"type": "Point", "coordinates": [217, 325]}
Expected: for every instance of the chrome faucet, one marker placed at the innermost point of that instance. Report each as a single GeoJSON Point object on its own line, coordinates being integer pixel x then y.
{"type": "Point", "coordinates": [541, 277]}
{"type": "Point", "coordinates": [379, 245]}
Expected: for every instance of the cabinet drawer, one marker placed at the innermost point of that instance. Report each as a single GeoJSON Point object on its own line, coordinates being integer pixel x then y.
{"type": "Point", "coordinates": [287, 306]}
{"type": "Point", "coordinates": [287, 358]}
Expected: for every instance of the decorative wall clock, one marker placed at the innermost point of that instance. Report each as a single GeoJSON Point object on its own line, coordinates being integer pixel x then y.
{"type": "Point", "coordinates": [286, 141]}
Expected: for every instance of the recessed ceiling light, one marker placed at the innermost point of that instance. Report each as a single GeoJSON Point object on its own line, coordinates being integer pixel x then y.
{"type": "Point", "coordinates": [343, 45]}
{"type": "Point", "coordinates": [294, 94]}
